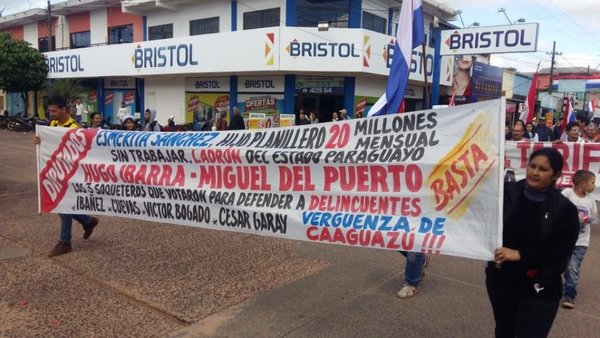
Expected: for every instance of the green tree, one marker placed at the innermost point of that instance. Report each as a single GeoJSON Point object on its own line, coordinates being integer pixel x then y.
{"type": "Point", "coordinates": [67, 88]}
{"type": "Point", "coordinates": [22, 68]}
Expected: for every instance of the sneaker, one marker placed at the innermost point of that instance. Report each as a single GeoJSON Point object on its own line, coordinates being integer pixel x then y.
{"type": "Point", "coordinates": [60, 249]}
{"type": "Point", "coordinates": [90, 228]}
{"type": "Point", "coordinates": [567, 303]}
{"type": "Point", "coordinates": [407, 291]}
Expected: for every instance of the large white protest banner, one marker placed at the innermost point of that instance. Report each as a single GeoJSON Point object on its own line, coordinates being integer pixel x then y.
{"type": "Point", "coordinates": [577, 156]}
{"type": "Point", "coordinates": [425, 181]}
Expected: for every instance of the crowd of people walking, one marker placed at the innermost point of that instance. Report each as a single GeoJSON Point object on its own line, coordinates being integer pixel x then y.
{"type": "Point", "coordinates": [541, 131]}
{"type": "Point", "coordinates": [545, 235]}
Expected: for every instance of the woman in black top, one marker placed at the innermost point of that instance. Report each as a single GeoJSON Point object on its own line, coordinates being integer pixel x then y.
{"type": "Point", "coordinates": [540, 230]}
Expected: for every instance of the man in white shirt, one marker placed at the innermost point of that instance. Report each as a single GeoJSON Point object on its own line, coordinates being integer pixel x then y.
{"type": "Point", "coordinates": [123, 111]}
{"type": "Point", "coordinates": [78, 110]}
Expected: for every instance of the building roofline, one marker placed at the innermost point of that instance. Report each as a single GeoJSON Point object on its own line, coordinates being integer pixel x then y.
{"type": "Point", "coordinates": [22, 18]}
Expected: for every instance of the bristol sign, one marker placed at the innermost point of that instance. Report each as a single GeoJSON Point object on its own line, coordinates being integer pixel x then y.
{"type": "Point", "coordinates": [489, 40]}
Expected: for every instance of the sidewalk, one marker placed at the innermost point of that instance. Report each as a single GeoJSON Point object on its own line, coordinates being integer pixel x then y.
{"type": "Point", "coordinates": [140, 279]}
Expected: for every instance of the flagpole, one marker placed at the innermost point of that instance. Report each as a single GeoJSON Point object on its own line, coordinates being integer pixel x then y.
{"type": "Point", "coordinates": [426, 93]}
{"type": "Point", "coordinates": [585, 105]}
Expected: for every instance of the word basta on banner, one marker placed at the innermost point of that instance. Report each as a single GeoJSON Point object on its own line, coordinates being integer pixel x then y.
{"type": "Point", "coordinates": [426, 181]}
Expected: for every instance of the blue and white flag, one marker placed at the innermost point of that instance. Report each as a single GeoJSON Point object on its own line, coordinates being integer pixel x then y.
{"type": "Point", "coordinates": [410, 34]}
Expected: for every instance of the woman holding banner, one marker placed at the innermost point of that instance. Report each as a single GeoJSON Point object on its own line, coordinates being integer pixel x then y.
{"type": "Point", "coordinates": [541, 226]}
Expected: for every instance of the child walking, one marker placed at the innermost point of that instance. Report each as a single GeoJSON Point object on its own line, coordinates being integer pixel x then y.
{"type": "Point", "coordinates": [584, 182]}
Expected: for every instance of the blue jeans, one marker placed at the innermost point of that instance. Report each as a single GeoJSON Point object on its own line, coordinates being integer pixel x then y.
{"type": "Point", "coordinates": [414, 267]}
{"type": "Point", "coordinates": [572, 272]}
{"type": "Point", "coordinates": [66, 222]}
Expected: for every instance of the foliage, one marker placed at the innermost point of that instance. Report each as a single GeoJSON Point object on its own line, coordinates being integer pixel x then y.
{"type": "Point", "coordinates": [22, 68]}
{"type": "Point", "coordinates": [67, 88]}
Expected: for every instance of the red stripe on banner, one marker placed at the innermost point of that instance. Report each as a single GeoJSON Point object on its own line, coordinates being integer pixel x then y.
{"type": "Point", "coordinates": [62, 165]}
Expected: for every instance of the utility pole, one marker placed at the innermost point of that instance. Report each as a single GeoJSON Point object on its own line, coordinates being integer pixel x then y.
{"type": "Point", "coordinates": [554, 53]}
{"type": "Point", "coordinates": [49, 24]}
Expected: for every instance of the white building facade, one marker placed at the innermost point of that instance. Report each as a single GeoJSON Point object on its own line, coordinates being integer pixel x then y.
{"type": "Point", "coordinates": [192, 59]}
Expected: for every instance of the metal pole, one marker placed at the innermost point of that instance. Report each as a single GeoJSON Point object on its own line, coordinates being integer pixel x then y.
{"type": "Point", "coordinates": [49, 23]}
{"type": "Point", "coordinates": [552, 66]}
{"type": "Point", "coordinates": [426, 93]}
{"type": "Point", "coordinates": [435, 79]}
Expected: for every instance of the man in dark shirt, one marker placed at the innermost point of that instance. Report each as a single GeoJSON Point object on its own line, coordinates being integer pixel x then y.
{"type": "Point", "coordinates": [302, 120]}
{"type": "Point", "coordinates": [543, 131]}
{"type": "Point", "coordinates": [237, 121]}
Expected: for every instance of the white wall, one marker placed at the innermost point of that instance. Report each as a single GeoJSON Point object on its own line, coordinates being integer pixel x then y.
{"type": "Point", "coordinates": [98, 26]}
{"type": "Point", "coordinates": [169, 97]}
{"type": "Point", "coordinates": [61, 31]}
{"type": "Point", "coordinates": [181, 18]}
{"type": "Point", "coordinates": [30, 34]}
{"type": "Point", "coordinates": [370, 85]}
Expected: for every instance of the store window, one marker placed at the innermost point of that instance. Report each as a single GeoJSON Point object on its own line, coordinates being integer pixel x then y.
{"type": "Point", "coordinates": [80, 39]}
{"type": "Point", "coordinates": [204, 26]}
{"type": "Point", "coordinates": [262, 19]}
{"type": "Point", "coordinates": [120, 34]}
{"type": "Point", "coordinates": [43, 44]}
{"type": "Point", "coordinates": [374, 23]}
{"type": "Point", "coordinates": [160, 32]}
{"type": "Point", "coordinates": [311, 12]}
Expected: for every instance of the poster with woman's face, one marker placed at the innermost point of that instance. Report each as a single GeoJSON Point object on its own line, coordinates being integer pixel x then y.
{"type": "Point", "coordinates": [461, 79]}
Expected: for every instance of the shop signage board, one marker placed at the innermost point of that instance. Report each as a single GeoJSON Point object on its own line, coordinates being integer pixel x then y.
{"type": "Point", "coordinates": [207, 84]}
{"type": "Point", "coordinates": [255, 50]}
{"type": "Point", "coordinates": [519, 38]}
{"type": "Point", "coordinates": [261, 84]}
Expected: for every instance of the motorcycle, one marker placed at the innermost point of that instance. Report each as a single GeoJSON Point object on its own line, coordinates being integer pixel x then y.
{"type": "Point", "coordinates": [4, 121]}
{"type": "Point", "coordinates": [22, 124]}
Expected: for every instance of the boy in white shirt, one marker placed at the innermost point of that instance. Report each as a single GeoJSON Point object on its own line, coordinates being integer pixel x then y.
{"type": "Point", "coordinates": [584, 182]}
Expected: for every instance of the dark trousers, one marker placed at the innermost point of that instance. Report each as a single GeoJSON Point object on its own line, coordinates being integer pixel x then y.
{"type": "Point", "coordinates": [517, 313]}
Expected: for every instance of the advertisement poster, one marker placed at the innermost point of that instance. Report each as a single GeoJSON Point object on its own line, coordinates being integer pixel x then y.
{"type": "Point", "coordinates": [425, 181]}
{"type": "Point", "coordinates": [287, 120]}
{"type": "Point", "coordinates": [486, 83]}
{"type": "Point", "coordinates": [362, 105]}
{"type": "Point", "coordinates": [257, 121]}
{"type": "Point", "coordinates": [205, 106]}
{"type": "Point", "coordinates": [92, 102]}
{"type": "Point", "coordinates": [112, 103]}
{"type": "Point", "coordinates": [461, 89]}
{"type": "Point", "coordinates": [271, 105]}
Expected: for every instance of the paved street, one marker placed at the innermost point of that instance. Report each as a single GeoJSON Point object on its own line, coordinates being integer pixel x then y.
{"type": "Point", "coordinates": [140, 279]}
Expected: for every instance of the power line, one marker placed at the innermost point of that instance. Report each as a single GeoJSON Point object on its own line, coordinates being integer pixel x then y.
{"type": "Point", "coordinates": [567, 24]}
